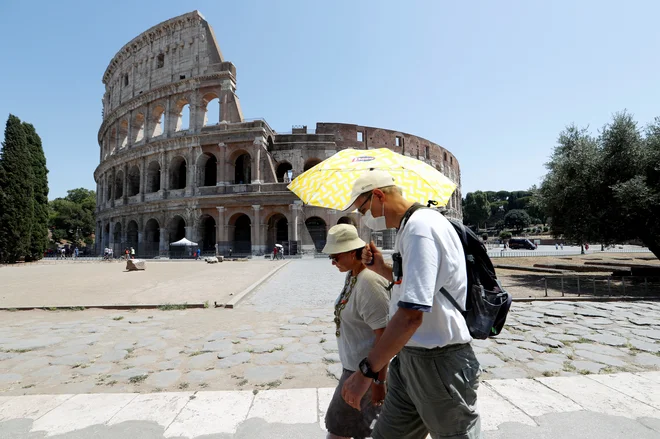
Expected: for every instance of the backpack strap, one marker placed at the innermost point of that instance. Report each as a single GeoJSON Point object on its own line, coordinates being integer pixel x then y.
{"type": "Point", "coordinates": [451, 299]}
{"type": "Point", "coordinates": [406, 216]}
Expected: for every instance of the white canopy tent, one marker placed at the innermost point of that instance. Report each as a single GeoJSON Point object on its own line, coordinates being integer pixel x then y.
{"type": "Point", "coordinates": [183, 243]}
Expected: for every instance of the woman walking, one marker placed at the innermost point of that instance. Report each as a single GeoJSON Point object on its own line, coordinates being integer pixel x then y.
{"type": "Point", "coordinates": [360, 318]}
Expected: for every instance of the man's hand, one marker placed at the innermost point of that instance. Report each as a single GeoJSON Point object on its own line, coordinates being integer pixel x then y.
{"type": "Point", "coordinates": [371, 253]}
{"type": "Point", "coordinates": [354, 389]}
{"type": "Point", "coordinates": [378, 392]}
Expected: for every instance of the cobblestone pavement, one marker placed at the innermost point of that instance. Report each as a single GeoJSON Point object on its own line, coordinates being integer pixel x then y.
{"type": "Point", "coordinates": [283, 336]}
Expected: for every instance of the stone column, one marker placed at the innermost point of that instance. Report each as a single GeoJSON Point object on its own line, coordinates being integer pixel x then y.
{"type": "Point", "coordinates": [257, 246]}
{"type": "Point", "coordinates": [140, 244]}
{"type": "Point", "coordinates": [168, 129]}
{"type": "Point", "coordinates": [220, 175]}
{"type": "Point", "coordinates": [129, 130]}
{"type": "Point", "coordinates": [221, 231]}
{"type": "Point", "coordinates": [143, 178]}
{"type": "Point", "coordinates": [164, 243]}
{"type": "Point", "coordinates": [191, 175]}
{"type": "Point", "coordinates": [164, 171]}
{"type": "Point", "coordinates": [125, 184]}
{"type": "Point", "coordinates": [190, 233]}
{"type": "Point", "coordinates": [111, 234]}
{"type": "Point", "coordinates": [112, 185]}
{"type": "Point", "coordinates": [259, 145]}
{"type": "Point", "coordinates": [98, 245]}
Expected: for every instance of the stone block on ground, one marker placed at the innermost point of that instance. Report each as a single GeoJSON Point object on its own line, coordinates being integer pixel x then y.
{"type": "Point", "coordinates": [136, 264]}
{"type": "Point", "coordinates": [211, 260]}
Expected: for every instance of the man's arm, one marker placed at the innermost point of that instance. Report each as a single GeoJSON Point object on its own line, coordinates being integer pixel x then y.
{"type": "Point", "coordinates": [401, 327]}
{"type": "Point", "coordinates": [373, 259]}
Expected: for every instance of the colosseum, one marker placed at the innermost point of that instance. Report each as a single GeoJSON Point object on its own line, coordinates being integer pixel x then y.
{"type": "Point", "coordinates": [177, 158]}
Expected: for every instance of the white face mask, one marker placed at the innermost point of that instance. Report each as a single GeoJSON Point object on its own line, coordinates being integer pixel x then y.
{"type": "Point", "coordinates": [375, 224]}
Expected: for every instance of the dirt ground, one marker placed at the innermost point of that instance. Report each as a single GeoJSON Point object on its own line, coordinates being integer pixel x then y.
{"type": "Point", "coordinates": [524, 284]}
{"type": "Point", "coordinates": [108, 283]}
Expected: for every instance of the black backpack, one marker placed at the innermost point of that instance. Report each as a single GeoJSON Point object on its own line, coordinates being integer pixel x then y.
{"type": "Point", "coordinates": [487, 303]}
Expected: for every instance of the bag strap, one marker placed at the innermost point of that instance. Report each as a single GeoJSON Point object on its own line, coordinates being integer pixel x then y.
{"type": "Point", "coordinates": [451, 299]}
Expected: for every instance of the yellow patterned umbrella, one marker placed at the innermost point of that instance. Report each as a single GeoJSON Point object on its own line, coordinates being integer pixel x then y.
{"type": "Point", "coordinates": [329, 183]}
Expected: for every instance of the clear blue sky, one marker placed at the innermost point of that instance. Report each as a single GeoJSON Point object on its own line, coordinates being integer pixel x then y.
{"type": "Point", "coordinates": [492, 81]}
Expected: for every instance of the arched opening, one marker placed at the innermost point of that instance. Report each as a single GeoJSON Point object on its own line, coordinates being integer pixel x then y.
{"type": "Point", "coordinates": [183, 118]}
{"type": "Point", "coordinates": [178, 173]}
{"type": "Point", "coordinates": [133, 181]}
{"type": "Point", "coordinates": [277, 233]}
{"type": "Point", "coordinates": [158, 121]}
{"type": "Point", "coordinates": [139, 128]}
{"type": "Point", "coordinates": [176, 229]}
{"type": "Point", "coordinates": [207, 166]}
{"type": "Point", "coordinates": [282, 172]}
{"type": "Point", "coordinates": [212, 110]}
{"type": "Point", "coordinates": [153, 177]}
{"type": "Point", "coordinates": [242, 236]}
{"type": "Point", "coordinates": [207, 233]}
{"type": "Point", "coordinates": [119, 185]}
{"type": "Point", "coordinates": [317, 230]}
{"type": "Point", "coordinates": [347, 220]}
{"type": "Point", "coordinates": [151, 239]}
{"type": "Point", "coordinates": [243, 169]}
{"type": "Point", "coordinates": [123, 134]}
{"type": "Point", "coordinates": [132, 235]}
{"type": "Point", "coordinates": [106, 236]}
{"type": "Point", "coordinates": [112, 141]}
{"type": "Point", "coordinates": [117, 246]}
{"type": "Point", "coordinates": [311, 163]}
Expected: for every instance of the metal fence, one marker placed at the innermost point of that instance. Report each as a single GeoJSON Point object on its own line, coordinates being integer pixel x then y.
{"type": "Point", "coordinates": [501, 253]}
{"type": "Point", "coordinates": [533, 285]}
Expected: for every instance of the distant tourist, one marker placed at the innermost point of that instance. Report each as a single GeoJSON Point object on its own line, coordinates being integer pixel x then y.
{"type": "Point", "coordinates": [75, 253]}
{"type": "Point", "coordinates": [132, 253]}
{"type": "Point", "coordinates": [556, 246]}
{"type": "Point", "coordinates": [360, 319]}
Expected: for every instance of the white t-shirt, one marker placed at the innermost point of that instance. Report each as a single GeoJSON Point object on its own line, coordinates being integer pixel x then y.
{"type": "Point", "coordinates": [433, 257]}
{"type": "Point", "coordinates": [365, 311]}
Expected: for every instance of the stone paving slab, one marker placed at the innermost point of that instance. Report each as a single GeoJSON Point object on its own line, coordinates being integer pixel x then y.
{"type": "Point", "coordinates": [231, 414]}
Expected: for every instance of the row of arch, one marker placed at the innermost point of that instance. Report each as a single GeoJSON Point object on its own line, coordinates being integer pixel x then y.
{"type": "Point", "coordinates": [239, 237]}
{"type": "Point", "coordinates": [207, 174]}
{"type": "Point", "coordinates": [156, 124]}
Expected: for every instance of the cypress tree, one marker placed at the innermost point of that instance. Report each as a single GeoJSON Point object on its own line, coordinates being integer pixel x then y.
{"type": "Point", "coordinates": [17, 199]}
{"type": "Point", "coordinates": [39, 239]}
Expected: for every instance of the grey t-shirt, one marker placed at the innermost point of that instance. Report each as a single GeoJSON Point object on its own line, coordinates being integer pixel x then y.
{"type": "Point", "coordinates": [365, 312]}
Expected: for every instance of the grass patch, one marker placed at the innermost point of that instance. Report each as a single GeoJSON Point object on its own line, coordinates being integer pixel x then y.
{"type": "Point", "coordinates": [323, 340]}
{"type": "Point", "coordinates": [235, 341]}
{"type": "Point", "coordinates": [111, 383]}
{"type": "Point", "coordinates": [255, 391]}
{"type": "Point", "coordinates": [279, 348]}
{"type": "Point", "coordinates": [568, 367]}
{"type": "Point", "coordinates": [242, 382]}
{"type": "Point", "coordinates": [196, 353]}
{"type": "Point", "coordinates": [206, 304]}
{"type": "Point", "coordinates": [583, 340]}
{"type": "Point", "coordinates": [584, 372]}
{"type": "Point", "coordinates": [550, 373]}
{"type": "Point", "coordinates": [172, 307]}
{"type": "Point", "coordinates": [137, 379]}
{"type": "Point", "coordinates": [608, 369]}
{"type": "Point", "coordinates": [203, 385]}
{"type": "Point", "coordinates": [17, 351]}
{"type": "Point", "coordinates": [29, 386]}
{"type": "Point", "coordinates": [550, 350]}
{"type": "Point", "coordinates": [249, 350]}
{"type": "Point", "coordinates": [274, 384]}
{"type": "Point", "coordinates": [118, 318]}
{"type": "Point", "coordinates": [183, 386]}
{"type": "Point", "coordinates": [570, 357]}
{"type": "Point", "coordinates": [12, 310]}
{"type": "Point", "coordinates": [76, 308]}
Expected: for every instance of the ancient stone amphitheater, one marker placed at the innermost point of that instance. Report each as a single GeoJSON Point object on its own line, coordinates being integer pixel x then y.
{"type": "Point", "coordinates": [177, 158]}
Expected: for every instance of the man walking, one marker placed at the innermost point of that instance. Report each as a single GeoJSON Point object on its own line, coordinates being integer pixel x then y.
{"type": "Point", "coordinates": [433, 380]}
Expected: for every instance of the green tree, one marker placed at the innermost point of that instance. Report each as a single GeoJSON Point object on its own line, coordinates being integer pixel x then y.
{"type": "Point", "coordinates": [39, 238]}
{"type": "Point", "coordinates": [72, 217]}
{"type": "Point", "coordinates": [517, 219]}
{"type": "Point", "coordinates": [16, 193]}
{"type": "Point", "coordinates": [476, 208]}
{"type": "Point", "coordinates": [606, 189]}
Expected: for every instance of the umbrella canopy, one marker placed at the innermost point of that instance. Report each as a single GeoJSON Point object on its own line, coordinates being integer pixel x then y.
{"type": "Point", "coordinates": [329, 183]}
{"type": "Point", "coordinates": [183, 242]}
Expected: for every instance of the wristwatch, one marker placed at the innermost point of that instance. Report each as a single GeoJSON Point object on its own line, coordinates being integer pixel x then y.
{"type": "Point", "coordinates": [366, 370]}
